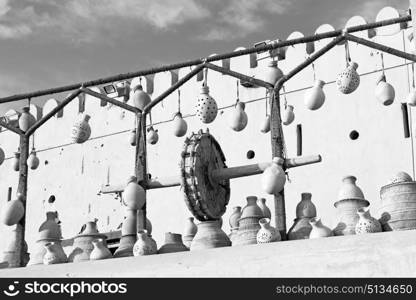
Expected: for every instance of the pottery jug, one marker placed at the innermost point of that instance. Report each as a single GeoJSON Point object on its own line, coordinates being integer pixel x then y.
{"type": "Point", "coordinates": [348, 80]}
{"type": "Point", "coordinates": [314, 98]}
{"type": "Point", "coordinates": [100, 250]}
{"type": "Point", "coordinates": [238, 119]}
{"type": "Point", "coordinates": [140, 97]}
{"type": "Point", "coordinates": [140, 217]}
{"type": "Point", "coordinates": [384, 91]}
{"type": "Point", "coordinates": [288, 115]}
{"type": "Point", "coordinates": [125, 248]}
{"type": "Point", "coordinates": [272, 73]}
{"type": "Point", "coordinates": [134, 196]}
{"type": "Point", "coordinates": [13, 211]}
{"type": "Point", "coordinates": [411, 97]}
{"type": "Point", "coordinates": [234, 217]}
{"type": "Point", "coordinates": [207, 108]}
{"type": "Point", "coordinates": [267, 233]}
{"type": "Point", "coordinates": [189, 231]}
{"type": "Point", "coordinates": [26, 119]}
{"type": "Point", "coordinates": [305, 208]}
{"type": "Point", "coordinates": [261, 202]}
{"type": "Point", "coordinates": [132, 137]}
{"type": "Point", "coordinates": [54, 254]}
{"type": "Point", "coordinates": [366, 223]}
{"type": "Point", "coordinates": [265, 126]}
{"type": "Point", "coordinates": [318, 229]}
{"type": "Point", "coordinates": [248, 223]}
{"type": "Point", "coordinates": [274, 178]}
{"type": "Point", "coordinates": [305, 211]}
{"type": "Point", "coordinates": [209, 235]}
{"type": "Point", "coordinates": [81, 130]}
{"type": "Point", "coordinates": [173, 243]}
{"type": "Point", "coordinates": [144, 245]}
{"type": "Point", "coordinates": [37, 254]}
{"type": "Point", "coordinates": [49, 229]}
{"type": "Point", "coordinates": [2, 156]}
{"type": "Point", "coordinates": [179, 125]}
{"type": "Point", "coordinates": [152, 135]}
{"type": "Point", "coordinates": [33, 160]}
{"type": "Point", "coordinates": [16, 161]}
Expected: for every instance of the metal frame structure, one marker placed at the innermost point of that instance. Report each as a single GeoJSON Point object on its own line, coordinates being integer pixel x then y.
{"type": "Point", "coordinates": [140, 159]}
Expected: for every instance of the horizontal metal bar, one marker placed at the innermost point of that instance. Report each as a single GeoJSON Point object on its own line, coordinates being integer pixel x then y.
{"type": "Point", "coordinates": [198, 61]}
{"type": "Point", "coordinates": [111, 100]}
{"type": "Point", "coordinates": [11, 128]}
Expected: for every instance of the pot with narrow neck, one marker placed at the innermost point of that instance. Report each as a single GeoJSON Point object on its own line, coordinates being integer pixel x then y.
{"type": "Point", "coordinates": [366, 223]}
{"type": "Point", "coordinates": [267, 233]}
{"type": "Point", "coordinates": [248, 223]}
{"type": "Point", "coordinates": [305, 211]}
{"type": "Point", "coordinates": [144, 245]}
{"type": "Point", "coordinates": [314, 98]}
{"type": "Point", "coordinates": [100, 250]}
{"type": "Point", "coordinates": [319, 230]}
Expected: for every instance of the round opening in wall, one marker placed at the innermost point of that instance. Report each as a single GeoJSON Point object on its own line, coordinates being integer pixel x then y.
{"type": "Point", "coordinates": [46, 162]}
{"type": "Point", "coordinates": [250, 154]}
{"type": "Point", "coordinates": [354, 135]}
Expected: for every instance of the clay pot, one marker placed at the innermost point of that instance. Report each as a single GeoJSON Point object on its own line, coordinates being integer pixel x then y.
{"type": "Point", "coordinates": [209, 235]}
{"type": "Point", "coordinates": [189, 231]}
{"type": "Point", "coordinates": [305, 211]}
{"type": "Point", "coordinates": [238, 119]}
{"type": "Point", "coordinates": [152, 135]}
{"type": "Point", "coordinates": [26, 119]}
{"type": "Point", "coordinates": [267, 233]}
{"type": "Point", "coordinates": [33, 160]}
{"type": "Point", "coordinates": [125, 248]}
{"type": "Point", "coordinates": [400, 177]}
{"type": "Point", "coordinates": [173, 243]}
{"type": "Point", "coordinates": [248, 223]}
{"type": "Point", "coordinates": [2, 156]}
{"type": "Point", "coordinates": [207, 108]}
{"type": "Point", "coordinates": [179, 125]}
{"type": "Point", "coordinates": [348, 80]}
{"type": "Point", "coordinates": [13, 211]}
{"type": "Point", "coordinates": [366, 223]}
{"type": "Point", "coordinates": [49, 229]}
{"type": "Point", "coordinates": [411, 98]}
{"type": "Point", "coordinates": [234, 218]}
{"type": "Point", "coordinates": [134, 196]}
{"type": "Point", "coordinates": [288, 115]}
{"type": "Point", "coordinates": [314, 98]}
{"type": "Point", "coordinates": [139, 222]}
{"type": "Point", "coordinates": [319, 230]}
{"type": "Point", "coordinates": [349, 189]}
{"type": "Point", "coordinates": [36, 256]}
{"type": "Point", "coordinates": [272, 73]}
{"type": "Point", "coordinates": [100, 250]}
{"type": "Point", "coordinates": [384, 91]}
{"type": "Point", "coordinates": [16, 161]}
{"type": "Point", "coordinates": [274, 178]}
{"type": "Point", "coordinates": [265, 126]}
{"type": "Point", "coordinates": [132, 137]}
{"type": "Point", "coordinates": [54, 254]}
{"type": "Point", "coordinates": [81, 130]}
{"type": "Point", "coordinates": [144, 245]}
{"type": "Point", "coordinates": [305, 208]}
{"type": "Point", "coordinates": [261, 202]}
{"type": "Point", "coordinates": [140, 97]}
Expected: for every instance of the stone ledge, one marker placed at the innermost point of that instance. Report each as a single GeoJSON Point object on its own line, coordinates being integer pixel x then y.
{"type": "Point", "coordinates": [387, 254]}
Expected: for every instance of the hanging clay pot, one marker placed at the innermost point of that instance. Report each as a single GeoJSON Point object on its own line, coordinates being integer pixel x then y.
{"type": "Point", "coordinates": [140, 216]}
{"type": "Point", "coordinates": [140, 97]}
{"type": "Point", "coordinates": [248, 223]}
{"type": "Point", "coordinates": [16, 161]}
{"type": "Point", "coordinates": [261, 202]}
{"type": "Point", "coordinates": [209, 235]}
{"type": "Point", "coordinates": [152, 135]}
{"type": "Point", "coordinates": [238, 119]}
{"type": "Point", "coordinates": [26, 119]}
{"type": "Point", "coordinates": [2, 156]}
{"type": "Point", "coordinates": [179, 125]}
{"type": "Point", "coordinates": [54, 254]}
{"type": "Point", "coordinates": [134, 196]}
{"type": "Point", "coordinates": [288, 115]}
{"type": "Point", "coordinates": [132, 137]}
{"type": "Point", "coordinates": [265, 126]}
{"type": "Point", "coordinates": [366, 223]}
{"type": "Point", "coordinates": [100, 250]}
{"type": "Point", "coordinates": [13, 211]}
{"type": "Point", "coordinates": [274, 178]}
{"type": "Point", "coordinates": [207, 108]}
{"type": "Point", "coordinates": [267, 233]}
{"type": "Point", "coordinates": [81, 130]}
{"type": "Point", "coordinates": [272, 73]}
{"type": "Point", "coordinates": [314, 98]}
{"type": "Point", "coordinates": [144, 245]}
{"type": "Point", "coordinates": [305, 211]}
{"type": "Point", "coordinates": [411, 97]}
{"type": "Point", "coordinates": [348, 80]}
{"type": "Point", "coordinates": [384, 91]}
{"type": "Point", "coordinates": [33, 160]}
{"type": "Point", "coordinates": [189, 231]}
{"type": "Point", "coordinates": [173, 243]}
{"type": "Point", "coordinates": [319, 230]}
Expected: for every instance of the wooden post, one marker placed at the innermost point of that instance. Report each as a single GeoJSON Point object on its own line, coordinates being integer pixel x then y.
{"type": "Point", "coordinates": [412, 5]}
{"type": "Point", "coordinates": [140, 167]}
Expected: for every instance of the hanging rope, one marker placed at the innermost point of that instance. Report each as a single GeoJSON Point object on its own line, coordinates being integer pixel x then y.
{"type": "Point", "coordinates": [413, 76]}
{"type": "Point", "coordinates": [150, 119]}
{"type": "Point", "coordinates": [28, 101]}
{"type": "Point", "coordinates": [179, 101]}
{"type": "Point", "coordinates": [237, 91]}
{"type": "Point", "coordinates": [33, 141]}
{"type": "Point", "coordinates": [205, 83]}
{"type": "Point", "coordinates": [382, 64]}
{"type": "Point", "coordinates": [284, 97]}
{"type": "Point", "coordinates": [267, 101]}
{"type": "Point", "coordinates": [313, 70]}
{"type": "Point", "coordinates": [347, 53]}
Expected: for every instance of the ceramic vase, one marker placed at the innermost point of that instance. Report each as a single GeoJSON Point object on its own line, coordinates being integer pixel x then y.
{"type": "Point", "coordinates": [366, 223]}
{"type": "Point", "coordinates": [33, 160]}
{"type": "Point", "coordinates": [179, 125]}
{"type": "Point", "coordinates": [100, 250]}
{"type": "Point", "coordinates": [207, 108]}
{"type": "Point", "coordinates": [81, 130]}
{"type": "Point", "coordinates": [261, 202]}
{"type": "Point", "coordinates": [318, 229]}
{"type": "Point", "coordinates": [13, 211]}
{"type": "Point", "coordinates": [144, 245]}
{"type": "Point", "coordinates": [288, 115]}
{"type": "Point", "coordinates": [132, 137]}
{"type": "Point", "coordinates": [411, 97]}
{"type": "Point", "coordinates": [36, 256]}
{"type": "Point", "coordinates": [2, 156]}
{"type": "Point", "coordinates": [265, 126]}
{"type": "Point", "coordinates": [238, 119]}
{"type": "Point", "coordinates": [267, 233]}
{"type": "Point", "coordinates": [140, 97]}
{"type": "Point", "coordinates": [152, 135]}
{"type": "Point", "coordinates": [173, 243]}
{"type": "Point", "coordinates": [348, 80]}
{"type": "Point", "coordinates": [384, 91]}
{"type": "Point", "coordinates": [314, 98]}
{"type": "Point", "coordinates": [189, 231]}
{"type": "Point", "coordinates": [248, 223]}
{"type": "Point", "coordinates": [305, 211]}
{"type": "Point", "coordinates": [134, 196]}
{"type": "Point", "coordinates": [49, 229]}
{"type": "Point", "coordinates": [54, 254]}
{"type": "Point", "coordinates": [209, 235]}
{"type": "Point", "coordinates": [16, 161]}
{"type": "Point", "coordinates": [272, 73]}
{"type": "Point", "coordinates": [274, 178]}
{"type": "Point", "coordinates": [26, 119]}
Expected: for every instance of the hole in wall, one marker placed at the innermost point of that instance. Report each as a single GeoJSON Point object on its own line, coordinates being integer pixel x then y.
{"type": "Point", "coordinates": [250, 154]}
{"type": "Point", "coordinates": [46, 162]}
{"type": "Point", "coordinates": [354, 135]}
{"type": "Point", "coordinates": [102, 145]}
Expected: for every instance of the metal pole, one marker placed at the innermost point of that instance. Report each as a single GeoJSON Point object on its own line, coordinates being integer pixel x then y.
{"type": "Point", "coordinates": [111, 100]}
{"type": "Point", "coordinates": [11, 128]}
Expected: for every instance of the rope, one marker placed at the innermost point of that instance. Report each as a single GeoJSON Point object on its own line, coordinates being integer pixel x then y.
{"type": "Point", "coordinates": [347, 53]}
{"type": "Point", "coordinates": [179, 101]}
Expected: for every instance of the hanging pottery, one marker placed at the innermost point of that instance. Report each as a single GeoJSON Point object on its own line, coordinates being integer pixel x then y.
{"type": "Point", "coordinates": [314, 98]}
{"type": "Point", "coordinates": [319, 230]}
{"type": "Point", "coordinates": [134, 196]}
{"type": "Point", "coordinates": [267, 233]}
{"type": "Point", "coordinates": [152, 135]}
{"type": "Point", "coordinates": [140, 97]}
{"type": "Point", "coordinates": [265, 126]}
{"type": "Point", "coordinates": [179, 125]}
{"type": "Point", "coordinates": [288, 115]}
{"type": "Point", "coordinates": [132, 137]}
{"type": "Point", "coordinates": [207, 108]}
{"type": "Point", "coordinates": [173, 243]}
{"type": "Point", "coordinates": [411, 97]}
{"type": "Point", "coordinates": [144, 245]}
{"type": "Point", "coordinates": [16, 161]}
{"type": "Point", "coordinates": [366, 223]}
{"type": "Point", "coordinates": [13, 211]}
{"type": "Point", "coordinates": [272, 73]}
{"type": "Point", "coordinates": [274, 178]}
{"type": "Point", "coordinates": [33, 160]}
{"type": "Point", "coordinates": [348, 80]}
{"type": "Point", "coordinates": [384, 91]}
{"type": "Point", "coordinates": [238, 119]}
{"type": "Point", "coordinates": [209, 235]}
{"type": "Point", "coordinates": [100, 250]}
{"type": "Point", "coordinates": [81, 130]}
{"type": "Point", "coordinates": [2, 156]}
{"type": "Point", "coordinates": [54, 254]}
{"type": "Point", "coordinates": [26, 119]}
{"type": "Point", "coordinates": [261, 202]}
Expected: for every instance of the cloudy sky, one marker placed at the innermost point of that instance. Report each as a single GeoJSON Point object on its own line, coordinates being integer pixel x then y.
{"type": "Point", "coordinates": [45, 43]}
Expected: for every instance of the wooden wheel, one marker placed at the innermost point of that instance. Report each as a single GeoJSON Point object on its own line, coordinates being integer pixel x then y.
{"type": "Point", "coordinates": [206, 198]}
